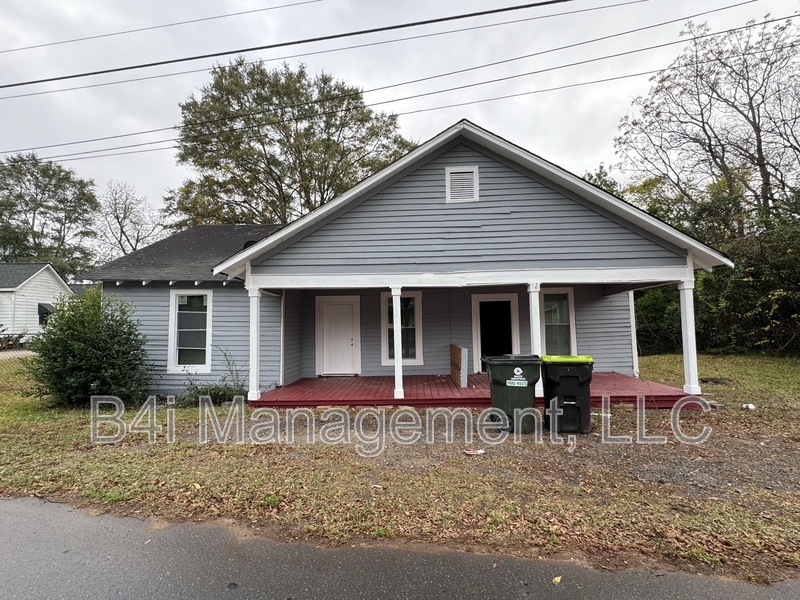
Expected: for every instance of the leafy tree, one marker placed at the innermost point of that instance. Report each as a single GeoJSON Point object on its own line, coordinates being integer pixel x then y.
{"type": "Point", "coordinates": [272, 145]}
{"type": "Point", "coordinates": [46, 213]}
{"type": "Point", "coordinates": [90, 346]}
{"type": "Point", "coordinates": [602, 179]}
{"type": "Point", "coordinates": [720, 125]}
{"type": "Point", "coordinates": [125, 222]}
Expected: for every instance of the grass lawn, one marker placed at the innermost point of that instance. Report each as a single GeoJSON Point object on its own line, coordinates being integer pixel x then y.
{"type": "Point", "coordinates": [730, 506]}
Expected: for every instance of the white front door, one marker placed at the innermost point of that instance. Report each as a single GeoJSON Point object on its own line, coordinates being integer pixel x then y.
{"type": "Point", "coordinates": [338, 335]}
{"type": "Point", "coordinates": [338, 338]}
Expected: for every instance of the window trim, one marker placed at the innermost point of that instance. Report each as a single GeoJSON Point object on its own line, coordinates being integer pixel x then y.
{"type": "Point", "coordinates": [461, 169]}
{"type": "Point", "coordinates": [172, 350]}
{"type": "Point", "coordinates": [385, 360]}
{"type": "Point", "coordinates": [573, 336]}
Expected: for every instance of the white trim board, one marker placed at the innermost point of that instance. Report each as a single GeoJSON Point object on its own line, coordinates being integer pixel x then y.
{"type": "Point", "coordinates": [706, 256]}
{"type": "Point", "coordinates": [513, 298]}
{"type": "Point", "coordinates": [471, 278]}
{"type": "Point", "coordinates": [319, 302]}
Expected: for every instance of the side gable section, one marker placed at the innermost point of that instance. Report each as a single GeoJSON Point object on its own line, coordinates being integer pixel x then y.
{"type": "Point", "coordinates": [519, 222]}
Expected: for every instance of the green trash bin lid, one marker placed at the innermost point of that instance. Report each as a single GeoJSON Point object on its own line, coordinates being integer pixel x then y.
{"type": "Point", "coordinates": [560, 358]}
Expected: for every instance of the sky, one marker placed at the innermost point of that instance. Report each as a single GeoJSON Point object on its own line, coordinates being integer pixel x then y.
{"type": "Point", "coordinates": [572, 127]}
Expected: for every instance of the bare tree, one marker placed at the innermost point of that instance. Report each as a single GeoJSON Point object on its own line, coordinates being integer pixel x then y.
{"type": "Point", "coordinates": [722, 122]}
{"type": "Point", "coordinates": [126, 222]}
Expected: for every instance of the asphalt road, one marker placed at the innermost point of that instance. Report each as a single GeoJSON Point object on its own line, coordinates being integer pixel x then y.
{"type": "Point", "coordinates": [55, 552]}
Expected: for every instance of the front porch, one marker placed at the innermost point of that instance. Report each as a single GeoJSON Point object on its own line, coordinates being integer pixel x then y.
{"type": "Point", "coordinates": [440, 390]}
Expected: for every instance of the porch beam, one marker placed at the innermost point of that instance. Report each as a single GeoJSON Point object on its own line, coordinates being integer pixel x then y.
{"type": "Point", "coordinates": [691, 377]}
{"type": "Point", "coordinates": [253, 390]}
{"type": "Point", "coordinates": [536, 327]}
{"type": "Point", "coordinates": [398, 344]}
{"type": "Point", "coordinates": [605, 276]}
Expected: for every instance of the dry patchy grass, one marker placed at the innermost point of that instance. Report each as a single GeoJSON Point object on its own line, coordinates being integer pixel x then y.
{"type": "Point", "coordinates": [731, 506]}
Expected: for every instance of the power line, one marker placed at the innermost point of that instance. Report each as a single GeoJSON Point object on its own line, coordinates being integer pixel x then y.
{"type": "Point", "coordinates": [409, 112]}
{"type": "Point", "coordinates": [152, 27]}
{"type": "Point", "coordinates": [323, 38]}
{"type": "Point", "coordinates": [413, 81]}
{"type": "Point", "coordinates": [343, 48]}
{"type": "Point", "coordinates": [67, 157]}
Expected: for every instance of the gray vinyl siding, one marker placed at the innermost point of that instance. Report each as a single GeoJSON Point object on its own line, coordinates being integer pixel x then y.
{"type": "Point", "coordinates": [603, 328]}
{"type": "Point", "coordinates": [230, 331]}
{"type": "Point", "coordinates": [293, 337]}
{"type": "Point", "coordinates": [446, 319]}
{"type": "Point", "coordinates": [270, 341]}
{"type": "Point", "coordinates": [519, 223]}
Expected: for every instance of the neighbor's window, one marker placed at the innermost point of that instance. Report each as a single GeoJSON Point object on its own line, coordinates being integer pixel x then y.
{"type": "Point", "coordinates": [557, 324]}
{"type": "Point", "coordinates": [410, 328]}
{"type": "Point", "coordinates": [190, 342]}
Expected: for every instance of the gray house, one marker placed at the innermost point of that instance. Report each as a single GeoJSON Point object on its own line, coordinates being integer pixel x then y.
{"type": "Point", "coordinates": [468, 241]}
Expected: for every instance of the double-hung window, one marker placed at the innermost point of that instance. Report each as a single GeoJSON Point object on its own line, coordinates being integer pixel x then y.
{"type": "Point", "coordinates": [558, 316]}
{"type": "Point", "coordinates": [190, 331]}
{"type": "Point", "coordinates": [410, 328]}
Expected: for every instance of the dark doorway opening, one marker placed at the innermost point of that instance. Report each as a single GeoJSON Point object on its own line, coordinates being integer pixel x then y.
{"type": "Point", "coordinates": [495, 324]}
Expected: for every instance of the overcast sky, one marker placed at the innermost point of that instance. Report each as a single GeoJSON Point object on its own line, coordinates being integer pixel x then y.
{"type": "Point", "coordinates": [573, 127]}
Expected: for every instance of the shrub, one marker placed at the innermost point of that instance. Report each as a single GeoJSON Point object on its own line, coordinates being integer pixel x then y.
{"type": "Point", "coordinates": [228, 387]}
{"type": "Point", "coordinates": [90, 346]}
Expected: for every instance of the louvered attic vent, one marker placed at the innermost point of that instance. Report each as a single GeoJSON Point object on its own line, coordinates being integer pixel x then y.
{"type": "Point", "coordinates": [461, 184]}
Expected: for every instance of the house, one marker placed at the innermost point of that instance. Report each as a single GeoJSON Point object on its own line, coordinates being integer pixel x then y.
{"type": "Point", "coordinates": [467, 242]}
{"type": "Point", "coordinates": [28, 292]}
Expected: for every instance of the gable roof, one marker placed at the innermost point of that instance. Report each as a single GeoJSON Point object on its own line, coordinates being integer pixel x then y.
{"type": "Point", "coordinates": [13, 275]}
{"type": "Point", "coordinates": [185, 256]}
{"type": "Point", "coordinates": [704, 256]}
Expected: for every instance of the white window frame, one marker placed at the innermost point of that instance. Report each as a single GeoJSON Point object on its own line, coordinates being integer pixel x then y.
{"type": "Point", "coordinates": [511, 297]}
{"type": "Point", "coordinates": [464, 169]}
{"type": "Point", "coordinates": [573, 341]}
{"type": "Point", "coordinates": [385, 360]}
{"type": "Point", "coordinates": [172, 350]}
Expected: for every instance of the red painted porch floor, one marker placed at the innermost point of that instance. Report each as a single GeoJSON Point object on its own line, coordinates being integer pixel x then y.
{"type": "Point", "coordinates": [441, 390]}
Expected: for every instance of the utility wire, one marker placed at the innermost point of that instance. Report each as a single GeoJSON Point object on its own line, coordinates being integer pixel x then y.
{"type": "Point", "coordinates": [326, 113]}
{"type": "Point", "coordinates": [343, 48]}
{"type": "Point", "coordinates": [152, 27]}
{"type": "Point", "coordinates": [323, 38]}
{"type": "Point", "coordinates": [409, 82]}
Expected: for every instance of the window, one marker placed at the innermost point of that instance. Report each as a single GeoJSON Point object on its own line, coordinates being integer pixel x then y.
{"type": "Point", "coordinates": [410, 328]}
{"type": "Point", "coordinates": [190, 331]}
{"type": "Point", "coordinates": [558, 322]}
{"type": "Point", "coordinates": [461, 184]}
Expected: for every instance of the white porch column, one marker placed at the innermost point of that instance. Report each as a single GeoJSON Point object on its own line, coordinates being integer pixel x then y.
{"type": "Point", "coordinates": [398, 344]}
{"type": "Point", "coordinates": [254, 391]}
{"type": "Point", "coordinates": [536, 327]}
{"type": "Point", "coordinates": [692, 380]}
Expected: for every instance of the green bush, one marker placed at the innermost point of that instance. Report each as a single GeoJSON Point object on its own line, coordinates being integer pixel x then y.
{"type": "Point", "coordinates": [90, 346]}
{"type": "Point", "coordinates": [229, 386]}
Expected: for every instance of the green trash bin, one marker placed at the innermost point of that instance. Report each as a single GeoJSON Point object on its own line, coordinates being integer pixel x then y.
{"type": "Point", "coordinates": [568, 379]}
{"type": "Point", "coordinates": [512, 381]}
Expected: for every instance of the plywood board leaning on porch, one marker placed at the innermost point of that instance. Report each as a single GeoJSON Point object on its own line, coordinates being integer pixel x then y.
{"type": "Point", "coordinates": [458, 364]}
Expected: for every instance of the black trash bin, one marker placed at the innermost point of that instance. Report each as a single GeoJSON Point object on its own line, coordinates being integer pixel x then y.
{"type": "Point", "coordinates": [568, 379]}
{"type": "Point", "coordinates": [512, 382]}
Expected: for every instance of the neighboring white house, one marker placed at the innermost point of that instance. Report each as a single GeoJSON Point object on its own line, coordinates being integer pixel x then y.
{"type": "Point", "coordinates": [28, 292]}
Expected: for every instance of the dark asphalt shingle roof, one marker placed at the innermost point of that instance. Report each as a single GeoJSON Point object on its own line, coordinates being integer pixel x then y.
{"type": "Point", "coordinates": [14, 274]}
{"type": "Point", "coordinates": [185, 256]}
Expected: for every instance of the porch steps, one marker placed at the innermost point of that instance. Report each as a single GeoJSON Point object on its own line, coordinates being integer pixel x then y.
{"type": "Point", "coordinates": [424, 391]}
